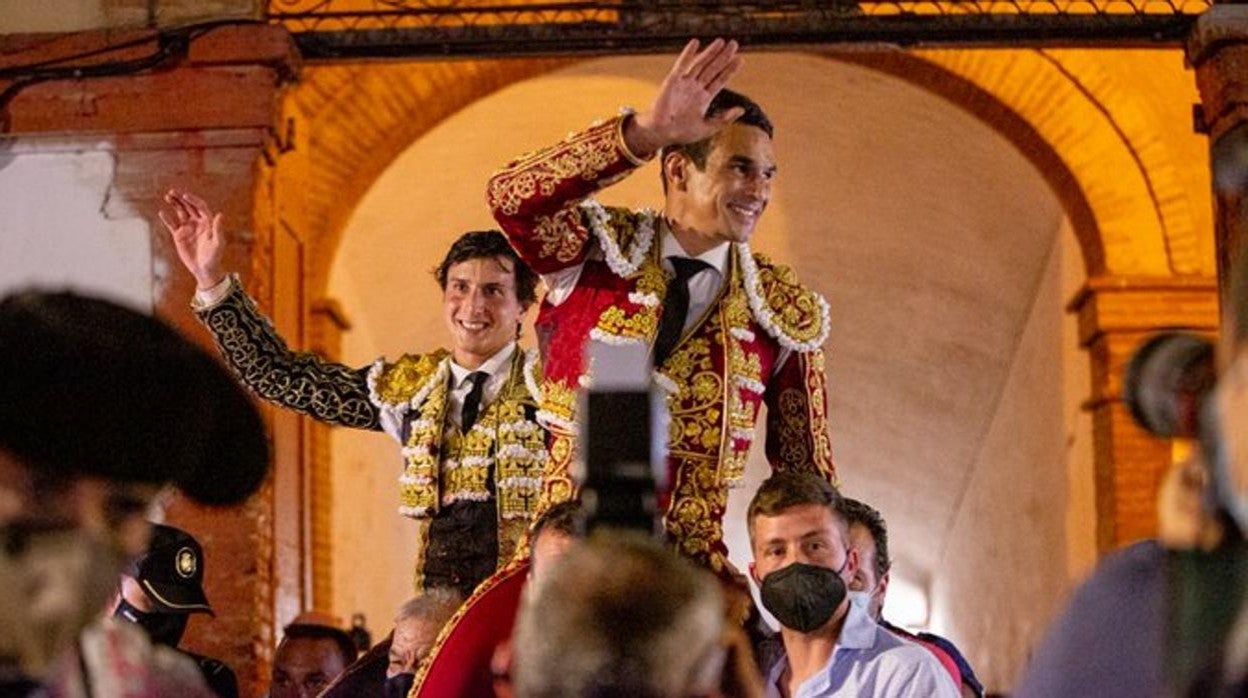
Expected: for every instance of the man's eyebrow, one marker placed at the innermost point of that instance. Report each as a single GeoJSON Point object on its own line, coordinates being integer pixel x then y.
{"type": "Point", "coordinates": [751, 162]}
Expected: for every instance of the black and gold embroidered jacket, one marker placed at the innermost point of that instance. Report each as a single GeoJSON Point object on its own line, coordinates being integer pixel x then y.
{"type": "Point", "coordinates": [473, 494]}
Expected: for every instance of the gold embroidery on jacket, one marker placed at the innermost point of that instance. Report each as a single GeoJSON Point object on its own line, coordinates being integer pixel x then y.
{"type": "Point", "coordinates": [562, 235]}
{"type": "Point", "coordinates": [582, 155]}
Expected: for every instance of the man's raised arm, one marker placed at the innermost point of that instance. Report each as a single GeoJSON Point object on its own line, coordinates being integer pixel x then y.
{"type": "Point", "coordinates": [535, 197]}
{"type": "Point", "coordinates": [253, 350]}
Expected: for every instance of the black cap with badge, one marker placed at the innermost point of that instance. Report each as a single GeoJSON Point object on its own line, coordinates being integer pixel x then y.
{"type": "Point", "coordinates": [171, 573]}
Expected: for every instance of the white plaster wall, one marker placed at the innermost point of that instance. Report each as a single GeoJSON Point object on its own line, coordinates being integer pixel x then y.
{"type": "Point", "coordinates": [58, 227]}
{"type": "Point", "coordinates": [1080, 515]}
{"type": "Point", "coordinates": [1002, 567]}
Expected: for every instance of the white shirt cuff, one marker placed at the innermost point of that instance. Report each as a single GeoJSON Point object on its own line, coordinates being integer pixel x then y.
{"type": "Point", "coordinates": [206, 298]}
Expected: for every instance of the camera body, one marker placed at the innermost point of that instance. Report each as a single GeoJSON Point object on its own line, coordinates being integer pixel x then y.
{"type": "Point", "coordinates": [621, 465]}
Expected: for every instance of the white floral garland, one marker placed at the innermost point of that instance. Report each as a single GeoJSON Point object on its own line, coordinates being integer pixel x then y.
{"type": "Point", "coordinates": [416, 451]}
{"type": "Point", "coordinates": [519, 482]}
{"type": "Point", "coordinates": [650, 300]}
{"type": "Point", "coordinates": [742, 333]}
{"type": "Point", "coordinates": [749, 384]}
{"type": "Point", "coordinates": [531, 357]}
{"type": "Point", "coordinates": [599, 335]}
{"type": "Point", "coordinates": [762, 313]}
{"type": "Point", "coordinates": [522, 428]}
{"type": "Point", "coordinates": [550, 420]}
{"type": "Point", "coordinates": [598, 220]}
{"type": "Point", "coordinates": [407, 479]}
{"type": "Point", "coordinates": [450, 498]}
{"type": "Point", "coordinates": [519, 452]}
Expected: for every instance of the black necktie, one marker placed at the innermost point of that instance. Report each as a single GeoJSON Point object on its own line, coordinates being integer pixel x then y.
{"type": "Point", "coordinates": [472, 403]}
{"type": "Point", "coordinates": [675, 306]}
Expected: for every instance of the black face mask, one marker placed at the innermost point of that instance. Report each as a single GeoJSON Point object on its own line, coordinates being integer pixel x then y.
{"type": "Point", "coordinates": [803, 597]}
{"type": "Point", "coordinates": [162, 628]}
{"type": "Point", "coordinates": [399, 685]}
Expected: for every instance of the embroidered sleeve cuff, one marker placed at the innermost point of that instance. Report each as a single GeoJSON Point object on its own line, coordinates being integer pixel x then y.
{"type": "Point", "coordinates": [207, 298]}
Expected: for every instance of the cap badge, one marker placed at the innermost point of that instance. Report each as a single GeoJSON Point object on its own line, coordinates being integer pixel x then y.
{"type": "Point", "coordinates": [185, 562]}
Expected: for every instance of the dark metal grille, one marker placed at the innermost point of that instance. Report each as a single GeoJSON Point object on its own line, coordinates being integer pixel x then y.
{"type": "Point", "coordinates": [440, 28]}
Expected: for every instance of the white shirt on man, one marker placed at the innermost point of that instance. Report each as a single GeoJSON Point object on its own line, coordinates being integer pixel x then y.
{"type": "Point", "coordinates": [870, 661]}
{"type": "Point", "coordinates": [704, 286]}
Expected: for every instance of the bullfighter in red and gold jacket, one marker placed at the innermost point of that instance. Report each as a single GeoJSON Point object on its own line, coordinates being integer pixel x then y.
{"type": "Point", "coordinates": [751, 333]}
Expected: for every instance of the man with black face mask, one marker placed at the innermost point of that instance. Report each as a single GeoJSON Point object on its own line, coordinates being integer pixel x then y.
{"type": "Point", "coordinates": [161, 590]}
{"type": "Point", "coordinates": [803, 563]}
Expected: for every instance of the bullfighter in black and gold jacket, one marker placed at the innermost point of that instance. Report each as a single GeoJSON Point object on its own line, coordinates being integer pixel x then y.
{"type": "Point", "coordinates": [472, 450]}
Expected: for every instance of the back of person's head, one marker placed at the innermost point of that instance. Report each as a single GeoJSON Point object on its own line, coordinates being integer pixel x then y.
{"type": "Point", "coordinates": [438, 603]}
{"type": "Point", "coordinates": [344, 646]}
{"type": "Point", "coordinates": [786, 490]}
{"type": "Point", "coordinates": [416, 627]}
{"type": "Point", "coordinates": [488, 244]}
{"type": "Point", "coordinates": [564, 518]}
{"type": "Point", "coordinates": [620, 615]}
{"type": "Point", "coordinates": [858, 513]}
{"type": "Point", "coordinates": [95, 389]}
{"type": "Point", "coordinates": [725, 100]}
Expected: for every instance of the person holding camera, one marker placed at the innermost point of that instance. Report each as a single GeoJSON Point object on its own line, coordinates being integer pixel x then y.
{"type": "Point", "coordinates": [464, 417]}
{"type": "Point", "coordinates": [729, 330]}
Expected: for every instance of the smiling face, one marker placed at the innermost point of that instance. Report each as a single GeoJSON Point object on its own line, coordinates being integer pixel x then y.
{"type": "Point", "coordinates": [722, 201]}
{"type": "Point", "coordinates": [481, 309]}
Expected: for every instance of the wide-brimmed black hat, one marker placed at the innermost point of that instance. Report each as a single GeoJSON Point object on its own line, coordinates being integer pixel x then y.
{"type": "Point", "coordinates": [97, 389]}
{"type": "Point", "coordinates": [171, 572]}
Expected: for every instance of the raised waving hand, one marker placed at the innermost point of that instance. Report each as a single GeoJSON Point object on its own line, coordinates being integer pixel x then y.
{"type": "Point", "coordinates": [678, 114]}
{"type": "Point", "coordinates": [196, 233]}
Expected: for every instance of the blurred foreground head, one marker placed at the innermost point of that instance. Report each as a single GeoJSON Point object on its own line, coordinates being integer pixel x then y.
{"type": "Point", "coordinates": [103, 406]}
{"type": "Point", "coordinates": [621, 615]}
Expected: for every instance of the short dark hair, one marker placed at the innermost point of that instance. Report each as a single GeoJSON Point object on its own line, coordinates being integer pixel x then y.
{"type": "Point", "coordinates": [726, 99]}
{"type": "Point", "coordinates": [785, 490]}
{"type": "Point", "coordinates": [487, 244]}
{"type": "Point", "coordinates": [315, 631]}
{"type": "Point", "coordinates": [857, 512]}
{"type": "Point", "coordinates": [93, 388]}
{"type": "Point", "coordinates": [564, 517]}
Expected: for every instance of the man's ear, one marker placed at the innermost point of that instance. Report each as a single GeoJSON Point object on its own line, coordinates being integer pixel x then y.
{"type": "Point", "coordinates": [754, 574]}
{"type": "Point", "coordinates": [882, 585]}
{"type": "Point", "coordinates": [676, 168]}
{"type": "Point", "coordinates": [851, 562]}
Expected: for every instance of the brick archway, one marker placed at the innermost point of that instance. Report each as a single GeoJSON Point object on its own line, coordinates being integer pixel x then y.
{"type": "Point", "coordinates": [1118, 185]}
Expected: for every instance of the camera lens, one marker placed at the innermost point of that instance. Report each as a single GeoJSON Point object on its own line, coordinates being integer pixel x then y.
{"type": "Point", "coordinates": [1167, 382]}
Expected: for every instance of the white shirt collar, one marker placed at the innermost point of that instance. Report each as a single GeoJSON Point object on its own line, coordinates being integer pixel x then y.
{"type": "Point", "coordinates": [717, 256]}
{"type": "Point", "coordinates": [491, 366]}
